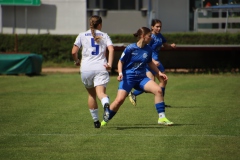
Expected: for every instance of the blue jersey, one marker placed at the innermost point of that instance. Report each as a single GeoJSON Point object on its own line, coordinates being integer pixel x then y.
{"type": "Point", "coordinates": [156, 44]}
{"type": "Point", "coordinates": [135, 61]}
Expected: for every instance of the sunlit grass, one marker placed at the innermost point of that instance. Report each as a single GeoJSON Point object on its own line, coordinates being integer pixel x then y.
{"type": "Point", "coordinates": [46, 117]}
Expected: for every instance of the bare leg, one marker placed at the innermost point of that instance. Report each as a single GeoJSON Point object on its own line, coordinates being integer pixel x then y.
{"type": "Point", "coordinates": [150, 75]}
{"type": "Point", "coordinates": [153, 87]}
{"type": "Point", "coordinates": [162, 83]}
{"type": "Point", "coordinates": [115, 105]}
{"type": "Point", "coordinates": [101, 92]}
{"type": "Point", "coordinates": [92, 103]}
{"type": "Point", "coordinates": [93, 107]}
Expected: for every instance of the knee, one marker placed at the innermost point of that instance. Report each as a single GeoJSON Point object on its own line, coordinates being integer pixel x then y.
{"type": "Point", "coordinates": [158, 92]}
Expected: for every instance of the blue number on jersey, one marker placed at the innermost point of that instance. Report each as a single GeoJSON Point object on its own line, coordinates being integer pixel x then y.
{"type": "Point", "coordinates": [94, 45]}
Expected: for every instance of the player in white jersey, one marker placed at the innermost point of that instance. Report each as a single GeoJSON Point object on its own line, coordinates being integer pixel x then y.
{"type": "Point", "coordinates": [94, 64]}
{"type": "Point", "coordinates": [132, 74]}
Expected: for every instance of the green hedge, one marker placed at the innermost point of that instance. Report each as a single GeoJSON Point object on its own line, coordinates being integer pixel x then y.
{"type": "Point", "coordinates": [57, 48]}
{"type": "Point", "coordinates": [189, 38]}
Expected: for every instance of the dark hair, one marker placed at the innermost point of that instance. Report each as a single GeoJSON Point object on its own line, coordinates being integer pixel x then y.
{"type": "Point", "coordinates": [141, 31]}
{"type": "Point", "coordinates": [94, 21]}
{"type": "Point", "coordinates": [155, 21]}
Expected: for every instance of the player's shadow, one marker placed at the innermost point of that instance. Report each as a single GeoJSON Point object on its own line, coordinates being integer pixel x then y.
{"type": "Point", "coordinates": [137, 127]}
{"type": "Point", "coordinates": [149, 126]}
{"type": "Point", "coordinates": [173, 107]}
{"type": "Point", "coordinates": [180, 107]}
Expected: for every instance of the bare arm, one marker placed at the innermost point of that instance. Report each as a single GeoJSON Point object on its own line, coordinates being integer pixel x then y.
{"type": "Point", "coordinates": [155, 62]}
{"type": "Point", "coordinates": [75, 50]}
{"type": "Point", "coordinates": [155, 69]}
{"type": "Point", "coordinates": [110, 57]}
{"type": "Point", "coordinates": [169, 46]}
{"type": "Point", "coordinates": [120, 75]}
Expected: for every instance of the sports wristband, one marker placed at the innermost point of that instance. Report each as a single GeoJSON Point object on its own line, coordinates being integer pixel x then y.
{"type": "Point", "coordinates": [120, 74]}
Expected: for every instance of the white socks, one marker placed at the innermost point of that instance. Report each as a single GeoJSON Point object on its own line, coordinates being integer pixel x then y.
{"type": "Point", "coordinates": [161, 115]}
{"type": "Point", "coordinates": [94, 114]}
{"type": "Point", "coordinates": [104, 100]}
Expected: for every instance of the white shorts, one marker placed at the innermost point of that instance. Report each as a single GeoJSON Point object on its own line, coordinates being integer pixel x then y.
{"type": "Point", "coordinates": [95, 78]}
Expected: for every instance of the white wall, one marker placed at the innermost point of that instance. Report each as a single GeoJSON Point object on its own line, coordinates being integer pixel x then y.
{"type": "Point", "coordinates": [174, 15]}
{"type": "Point", "coordinates": [70, 17]}
{"type": "Point", "coordinates": [52, 16]}
{"type": "Point", "coordinates": [123, 22]}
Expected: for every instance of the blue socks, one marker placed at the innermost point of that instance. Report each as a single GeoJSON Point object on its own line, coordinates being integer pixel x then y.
{"type": "Point", "coordinates": [160, 107]}
{"type": "Point", "coordinates": [163, 90]}
{"type": "Point", "coordinates": [111, 114]}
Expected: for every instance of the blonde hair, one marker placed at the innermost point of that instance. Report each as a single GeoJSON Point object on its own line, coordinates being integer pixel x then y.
{"type": "Point", "coordinates": [94, 22]}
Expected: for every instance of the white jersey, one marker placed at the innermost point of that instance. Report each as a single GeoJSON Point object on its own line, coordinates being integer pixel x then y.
{"type": "Point", "coordinates": [93, 53]}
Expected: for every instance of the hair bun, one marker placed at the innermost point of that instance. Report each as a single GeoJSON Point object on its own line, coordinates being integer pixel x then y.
{"type": "Point", "coordinates": [135, 34]}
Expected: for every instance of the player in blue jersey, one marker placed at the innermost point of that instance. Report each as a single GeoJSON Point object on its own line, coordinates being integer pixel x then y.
{"type": "Point", "coordinates": [156, 43]}
{"type": "Point", "coordinates": [94, 65]}
{"type": "Point", "coordinates": [132, 74]}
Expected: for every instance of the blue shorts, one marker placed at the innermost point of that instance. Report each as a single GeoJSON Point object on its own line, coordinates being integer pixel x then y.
{"type": "Point", "coordinates": [137, 84]}
{"type": "Point", "coordinates": [160, 67]}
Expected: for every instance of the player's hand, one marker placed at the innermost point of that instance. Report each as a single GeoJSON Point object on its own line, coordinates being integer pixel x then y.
{"type": "Point", "coordinates": [164, 76]}
{"type": "Point", "coordinates": [173, 45]}
{"type": "Point", "coordinates": [77, 63]}
{"type": "Point", "coordinates": [120, 77]}
{"type": "Point", "coordinates": [107, 66]}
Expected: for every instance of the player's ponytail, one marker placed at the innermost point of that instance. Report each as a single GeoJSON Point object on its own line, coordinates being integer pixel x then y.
{"type": "Point", "coordinates": [139, 34]}
{"type": "Point", "coordinates": [94, 22]}
{"type": "Point", "coordinates": [141, 31]}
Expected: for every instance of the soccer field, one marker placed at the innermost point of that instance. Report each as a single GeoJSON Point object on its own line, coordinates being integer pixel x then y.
{"type": "Point", "coordinates": [46, 117]}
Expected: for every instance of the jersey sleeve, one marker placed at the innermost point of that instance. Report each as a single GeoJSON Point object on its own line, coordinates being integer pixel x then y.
{"type": "Point", "coordinates": [109, 41]}
{"type": "Point", "coordinates": [78, 41]}
{"type": "Point", "coordinates": [125, 54]}
{"type": "Point", "coordinates": [153, 43]}
{"type": "Point", "coordinates": [150, 55]}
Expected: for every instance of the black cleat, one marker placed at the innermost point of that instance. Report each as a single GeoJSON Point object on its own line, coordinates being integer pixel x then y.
{"type": "Point", "coordinates": [97, 124]}
{"type": "Point", "coordinates": [106, 112]}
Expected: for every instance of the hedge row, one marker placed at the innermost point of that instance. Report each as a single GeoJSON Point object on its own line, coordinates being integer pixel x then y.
{"type": "Point", "coordinates": [57, 48]}
{"type": "Point", "coordinates": [189, 38]}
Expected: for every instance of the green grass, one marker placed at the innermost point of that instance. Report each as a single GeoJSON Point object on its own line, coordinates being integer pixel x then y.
{"type": "Point", "coordinates": [46, 117]}
{"type": "Point", "coordinates": [51, 64]}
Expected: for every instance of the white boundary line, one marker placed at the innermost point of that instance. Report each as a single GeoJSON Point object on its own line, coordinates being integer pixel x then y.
{"type": "Point", "coordinates": [99, 134]}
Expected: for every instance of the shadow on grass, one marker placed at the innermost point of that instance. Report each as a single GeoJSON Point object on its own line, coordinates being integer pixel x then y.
{"type": "Point", "coordinates": [148, 126]}
{"type": "Point", "coordinates": [181, 107]}
{"type": "Point", "coordinates": [136, 127]}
